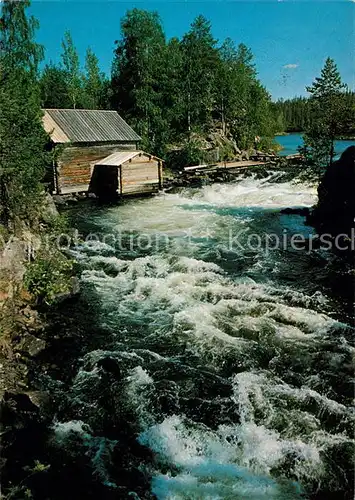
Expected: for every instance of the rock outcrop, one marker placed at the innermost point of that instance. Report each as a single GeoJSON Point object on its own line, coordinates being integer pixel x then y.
{"type": "Point", "coordinates": [12, 267]}
{"type": "Point", "coordinates": [335, 211]}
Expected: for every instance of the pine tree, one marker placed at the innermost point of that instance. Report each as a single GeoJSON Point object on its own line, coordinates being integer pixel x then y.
{"type": "Point", "coordinates": [136, 75]}
{"type": "Point", "coordinates": [328, 84]}
{"type": "Point", "coordinates": [326, 117]}
{"type": "Point", "coordinates": [242, 103]}
{"type": "Point", "coordinates": [226, 100]}
{"type": "Point", "coordinates": [71, 65]}
{"type": "Point", "coordinates": [171, 79]}
{"type": "Point", "coordinates": [200, 63]}
{"type": "Point", "coordinates": [22, 138]}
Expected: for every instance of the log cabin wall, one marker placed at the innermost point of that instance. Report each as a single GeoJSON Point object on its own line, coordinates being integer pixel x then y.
{"type": "Point", "coordinates": [75, 164]}
{"type": "Point", "coordinates": [127, 173]}
{"type": "Point", "coordinates": [140, 175]}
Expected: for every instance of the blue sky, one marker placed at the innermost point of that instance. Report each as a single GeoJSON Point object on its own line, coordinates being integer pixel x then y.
{"type": "Point", "coordinates": [290, 40]}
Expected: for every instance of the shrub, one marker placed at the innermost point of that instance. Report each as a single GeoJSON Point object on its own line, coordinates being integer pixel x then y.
{"type": "Point", "coordinates": [48, 276]}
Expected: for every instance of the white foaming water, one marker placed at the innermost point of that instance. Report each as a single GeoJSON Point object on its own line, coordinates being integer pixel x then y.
{"type": "Point", "coordinates": [202, 305]}
{"type": "Point", "coordinates": [192, 210]}
{"type": "Point", "coordinates": [262, 193]}
{"type": "Point", "coordinates": [213, 464]}
{"type": "Point", "coordinates": [178, 303]}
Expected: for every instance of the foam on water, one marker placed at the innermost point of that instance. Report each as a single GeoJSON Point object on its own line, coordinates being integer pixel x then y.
{"type": "Point", "coordinates": [188, 327]}
{"type": "Point", "coordinates": [213, 464]}
{"type": "Point", "coordinates": [262, 193]}
{"type": "Point", "coordinates": [194, 210]}
{"type": "Point", "coordinates": [199, 301]}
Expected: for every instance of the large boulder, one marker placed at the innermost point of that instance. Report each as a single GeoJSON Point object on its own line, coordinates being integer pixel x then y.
{"type": "Point", "coordinates": [335, 211]}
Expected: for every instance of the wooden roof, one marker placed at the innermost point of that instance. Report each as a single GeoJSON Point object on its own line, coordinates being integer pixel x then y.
{"type": "Point", "coordinates": [121, 157]}
{"type": "Point", "coordinates": [87, 126]}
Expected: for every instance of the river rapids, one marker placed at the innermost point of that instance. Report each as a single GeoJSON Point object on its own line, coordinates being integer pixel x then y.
{"type": "Point", "coordinates": [223, 367]}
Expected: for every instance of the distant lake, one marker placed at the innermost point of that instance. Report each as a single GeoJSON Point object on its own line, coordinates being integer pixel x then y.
{"type": "Point", "coordinates": [291, 142]}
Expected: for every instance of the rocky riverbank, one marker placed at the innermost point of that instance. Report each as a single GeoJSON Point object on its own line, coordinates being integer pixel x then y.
{"type": "Point", "coordinates": [35, 280]}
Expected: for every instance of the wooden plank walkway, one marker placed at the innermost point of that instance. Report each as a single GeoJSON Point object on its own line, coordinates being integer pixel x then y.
{"type": "Point", "coordinates": [223, 165]}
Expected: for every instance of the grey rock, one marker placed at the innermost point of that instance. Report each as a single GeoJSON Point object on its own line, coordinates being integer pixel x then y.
{"type": "Point", "coordinates": [49, 210]}
{"type": "Point", "coordinates": [31, 345]}
{"type": "Point", "coordinates": [12, 267]}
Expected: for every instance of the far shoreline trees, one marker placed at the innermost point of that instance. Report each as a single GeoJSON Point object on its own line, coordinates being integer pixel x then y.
{"type": "Point", "coordinates": [293, 115]}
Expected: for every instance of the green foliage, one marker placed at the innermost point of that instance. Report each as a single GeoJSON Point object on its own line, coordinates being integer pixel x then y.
{"type": "Point", "coordinates": [48, 276]}
{"type": "Point", "coordinates": [190, 154]}
{"type": "Point", "coordinates": [53, 87]}
{"type": "Point", "coordinates": [227, 91]}
{"type": "Point", "coordinates": [136, 71]}
{"type": "Point", "coordinates": [19, 52]}
{"type": "Point", "coordinates": [20, 491]}
{"type": "Point", "coordinates": [292, 115]}
{"type": "Point", "coordinates": [198, 78]}
{"type": "Point", "coordinates": [67, 86]}
{"type": "Point", "coordinates": [172, 97]}
{"type": "Point", "coordinates": [257, 119]}
{"type": "Point", "coordinates": [94, 82]}
{"type": "Point", "coordinates": [327, 111]}
{"type": "Point", "coordinates": [170, 91]}
{"type": "Point", "coordinates": [37, 467]}
{"type": "Point", "coordinates": [71, 64]}
{"type": "Point", "coordinates": [57, 224]}
{"type": "Point", "coordinates": [329, 84]}
{"type": "Point", "coordinates": [242, 103]}
{"type": "Point", "coordinates": [22, 138]}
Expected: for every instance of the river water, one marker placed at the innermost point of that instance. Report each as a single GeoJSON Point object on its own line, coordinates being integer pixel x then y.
{"type": "Point", "coordinates": [291, 142]}
{"type": "Point", "coordinates": [230, 365]}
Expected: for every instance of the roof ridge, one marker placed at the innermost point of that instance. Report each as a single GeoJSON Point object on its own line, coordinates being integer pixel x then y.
{"type": "Point", "coordinates": [82, 109]}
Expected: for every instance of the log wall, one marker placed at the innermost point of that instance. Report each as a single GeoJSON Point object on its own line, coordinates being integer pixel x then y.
{"type": "Point", "coordinates": [75, 164]}
{"type": "Point", "coordinates": [141, 175]}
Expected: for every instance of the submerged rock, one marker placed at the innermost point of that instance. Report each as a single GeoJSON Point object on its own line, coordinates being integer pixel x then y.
{"type": "Point", "coordinates": [110, 365]}
{"type": "Point", "coordinates": [304, 211]}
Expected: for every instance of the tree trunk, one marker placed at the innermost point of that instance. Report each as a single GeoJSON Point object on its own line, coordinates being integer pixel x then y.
{"type": "Point", "coordinates": [188, 112]}
{"type": "Point", "coordinates": [223, 118]}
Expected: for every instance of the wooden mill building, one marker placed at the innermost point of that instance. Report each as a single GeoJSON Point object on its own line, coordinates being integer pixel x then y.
{"type": "Point", "coordinates": [97, 151]}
